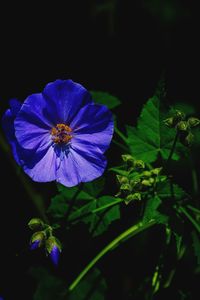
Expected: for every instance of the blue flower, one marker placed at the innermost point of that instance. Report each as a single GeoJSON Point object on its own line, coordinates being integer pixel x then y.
{"type": "Point", "coordinates": [59, 134]}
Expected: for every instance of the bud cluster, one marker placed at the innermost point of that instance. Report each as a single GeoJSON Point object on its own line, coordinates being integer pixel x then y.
{"type": "Point", "coordinates": [137, 180]}
{"type": "Point", "coordinates": [43, 237]}
{"type": "Point", "coordinates": [183, 125]}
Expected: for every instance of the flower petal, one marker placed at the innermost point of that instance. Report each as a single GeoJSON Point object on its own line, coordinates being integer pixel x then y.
{"type": "Point", "coordinates": [94, 125]}
{"type": "Point", "coordinates": [81, 165]}
{"type": "Point", "coordinates": [35, 245]}
{"type": "Point", "coordinates": [55, 254]}
{"type": "Point", "coordinates": [32, 127]}
{"type": "Point", "coordinates": [41, 167]}
{"type": "Point", "coordinates": [8, 127]}
{"type": "Point", "coordinates": [66, 98]}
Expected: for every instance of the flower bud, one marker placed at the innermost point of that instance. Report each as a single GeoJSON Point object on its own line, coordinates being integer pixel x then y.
{"type": "Point", "coordinates": [169, 122]}
{"type": "Point", "coordinates": [37, 240]}
{"type": "Point", "coordinates": [189, 139]}
{"type": "Point", "coordinates": [146, 182]}
{"type": "Point", "coordinates": [135, 196]}
{"type": "Point", "coordinates": [139, 164]}
{"type": "Point", "coordinates": [182, 126]}
{"type": "Point", "coordinates": [53, 248]}
{"type": "Point", "coordinates": [179, 116]}
{"type": "Point", "coordinates": [122, 179]}
{"type": "Point", "coordinates": [127, 158]}
{"type": "Point", "coordinates": [193, 122]}
{"type": "Point", "coordinates": [156, 171]}
{"type": "Point", "coordinates": [146, 173]}
{"type": "Point", "coordinates": [35, 223]}
{"type": "Point", "coordinates": [125, 187]}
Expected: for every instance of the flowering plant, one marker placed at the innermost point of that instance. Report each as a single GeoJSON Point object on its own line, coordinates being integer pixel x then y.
{"type": "Point", "coordinates": [62, 135]}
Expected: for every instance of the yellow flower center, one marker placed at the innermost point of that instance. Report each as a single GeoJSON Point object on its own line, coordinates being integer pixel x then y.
{"type": "Point", "coordinates": [61, 134]}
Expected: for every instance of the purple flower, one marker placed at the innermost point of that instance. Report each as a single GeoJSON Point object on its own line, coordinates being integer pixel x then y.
{"type": "Point", "coordinates": [35, 245]}
{"type": "Point", "coordinates": [53, 248]}
{"type": "Point", "coordinates": [54, 255]}
{"type": "Point", "coordinates": [59, 134]}
{"type": "Point", "coordinates": [37, 240]}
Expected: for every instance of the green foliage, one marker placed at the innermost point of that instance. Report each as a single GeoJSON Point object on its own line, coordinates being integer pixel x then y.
{"type": "Point", "coordinates": [151, 211]}
{"type": "Point", "coordinates": [105, 99]}
{"type": "Point", "coordinates": [88, 206]}
{"type": "Point", "coordinates": [166, 189]}
{"type": "Point", "coordinates": [92, 287]}
{"type": "Point", "coordinates": [151, 137]}
{"type": "Point", "coordinates": [97, 222]}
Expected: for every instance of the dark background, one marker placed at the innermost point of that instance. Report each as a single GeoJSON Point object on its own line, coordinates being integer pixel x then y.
{"type": "Point", "coordinates": [121, 47]}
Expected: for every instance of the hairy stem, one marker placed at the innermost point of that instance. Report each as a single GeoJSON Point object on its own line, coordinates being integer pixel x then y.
{"type": "Point", "coordinates": [133, 230]}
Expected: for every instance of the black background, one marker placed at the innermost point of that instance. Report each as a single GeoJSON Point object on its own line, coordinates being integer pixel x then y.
{"type": "Point", "coordinates": [123, 53]}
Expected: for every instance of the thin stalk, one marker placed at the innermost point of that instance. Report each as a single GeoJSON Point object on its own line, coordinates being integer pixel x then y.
{"type": "Point", "coordinates": [94, 211]}
{"type": "Point", "coordinates": [133, 230]}
{"type": "Point", "coordinates": [172, 150]}
{"type": "Point", "coordinates": [190, 218]}
{"type": "Point", "coordinates": [120, 134]}
{"type": "Point", "coordinates": [194, 209]}
{"type": "Point", "coordinates": [120, 145]}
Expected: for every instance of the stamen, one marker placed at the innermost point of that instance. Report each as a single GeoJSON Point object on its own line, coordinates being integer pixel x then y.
{"type": "Point", "coordinates": [61, 134]}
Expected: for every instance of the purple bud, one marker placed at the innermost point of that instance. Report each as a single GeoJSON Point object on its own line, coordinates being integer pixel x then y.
{"type": "Point", "coordinates": [54, 255]}
{"type": "Point", "coordinates": [35, 245]}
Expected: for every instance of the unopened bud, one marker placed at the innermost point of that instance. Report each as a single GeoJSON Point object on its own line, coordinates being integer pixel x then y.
{"type": "Point", "coordinates": [169, 122]}
{"type": "Point", "coordinates": [132, 197]}
{"type": "Point", "coordinates": [125, 187]}
{"type": "Point", "coordinates": [156, 171]}
{"type": "Point", "coordinates": [182, 126]}
{"type": "Point", "coordinates": [35, 223]}
{"type": "Point", "coordinates": [193, 122]}
{"type": "Point", "coordinates": [37, 239]}
{"type": "Point", "coordinates": [122, 179]}
{"type": "Point", "coordinates": [53, 248]}
{"type": "Point", "coordinates": [146, 173]}
{"type": "Point", "coordinates": [127, 158]}
{"type": "Point", "coordinates": [179, 116]}
{"type": "Point", "coordinates": [146, 182]}
{"type": "Point", "coordinates": [189, 139]}
{"type": "Point", "coordinates": [139, 164]}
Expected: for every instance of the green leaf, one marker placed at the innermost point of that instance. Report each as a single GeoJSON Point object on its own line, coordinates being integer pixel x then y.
{"type": "Point", "coordinates": [151, 137]}
{"type": "Point", "coordinates": [97, 222]}
{"type": "Point", "coordinates": [151, 211]}
{"type": "Point", "coordinates": [60, 203]}
{"type": "Point", "coordinates": [105, 99]}
{"type": "Point", "coordinates": [49, 287]}
{"type": "Point", "coordinates": [165, 190]}
{"type": "Point", "coordinates": [196, 246]}
{"type": "Point", "coordinates": [85, 206]}
{"type": "Point", "coordinates": [92, 287]}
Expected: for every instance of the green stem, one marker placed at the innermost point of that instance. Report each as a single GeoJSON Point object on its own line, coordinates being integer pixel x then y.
{"type": "Point", "coordinates": [190, 218]}
{"type": "Point", "coordinates": [120, 145]}
{"type": "Point", "coordinates": [133, 230]}
{"type": "Point", "coordinates": [120, 134]}
{"type": "Point", "coordinates": [94, 211]}
{"type": "Point", "coordinates": [172, 150]}
{"type": "Point", "coordinates": [194, 209]}
{"type": "Point", "coordinates": [36, 198]}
